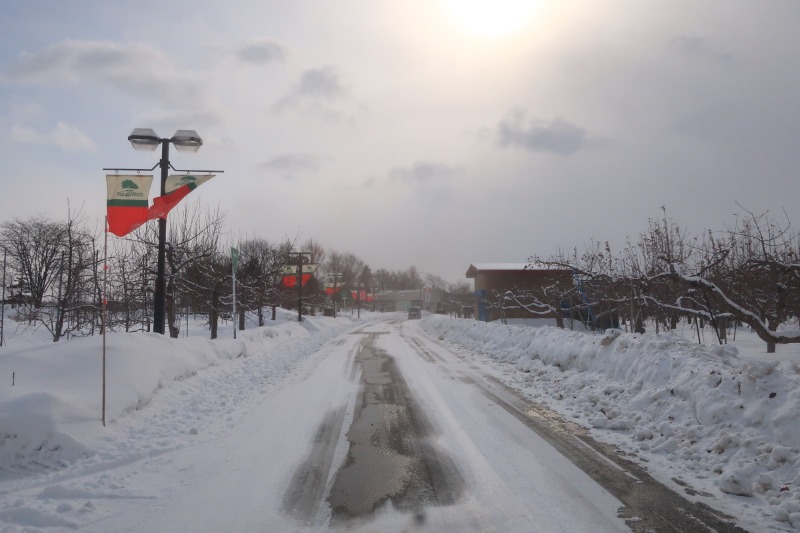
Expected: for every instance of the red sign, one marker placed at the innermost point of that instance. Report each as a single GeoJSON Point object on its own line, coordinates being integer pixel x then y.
{"type": "Point", "coordinates": [291, 280]}
{"type": "Point", "coordinates": [364, 296]}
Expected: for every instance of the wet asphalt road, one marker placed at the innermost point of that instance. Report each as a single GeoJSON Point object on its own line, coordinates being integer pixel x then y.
{"type": "Point", "coordinates": [392, 457]}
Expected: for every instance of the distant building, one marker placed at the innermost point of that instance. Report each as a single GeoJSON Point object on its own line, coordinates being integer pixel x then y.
{"type": "Point", "coordinates": [497, 278]}
{"type": "Point", "coordinates": [427, 299]}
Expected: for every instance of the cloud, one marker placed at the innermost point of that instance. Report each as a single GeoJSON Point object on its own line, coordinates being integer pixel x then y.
{"type": "Point", "coordinates": [26, 135]}
{"type": "Point", "coordinates": [262, 52]}
{"type": "Point", "coordinates": [294, 163]}
{"type": "Point", "coordinates": [696, 47]}
{"type": "Point", "coordinates": [140, 70]}
{"type": "Point", "coordinates": [201, 118]}
{"type": "Point", "coordinates": [320, 83]}
{"type": "Point", "coordinates": [64, 136]}
{"type": "Point", "coordinates": [71, 139]}
{"type": "Point", "coordinates": [424, 172]}
{"type": "Point", "coordinates": [556, 136]}
{"type": "Point", "coordinates": [318, 90]}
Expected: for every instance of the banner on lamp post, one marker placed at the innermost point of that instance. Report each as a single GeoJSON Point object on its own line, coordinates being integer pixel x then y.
{"type": "Point", "coordinates": [127, 202]}
{"type": "Point", "coordinates": [289, 275]}
{"type": "Point", "coordinates": [176, 188]}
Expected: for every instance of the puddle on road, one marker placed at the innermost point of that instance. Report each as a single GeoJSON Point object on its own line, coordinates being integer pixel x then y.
{"type": "Point", "coordinates": [391, 456]}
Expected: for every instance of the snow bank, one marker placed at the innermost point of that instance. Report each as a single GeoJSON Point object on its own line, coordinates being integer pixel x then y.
{"type": "Point", "coordinates": [51, 394]}
{"type": "Point", "coordinates": [726, 424]}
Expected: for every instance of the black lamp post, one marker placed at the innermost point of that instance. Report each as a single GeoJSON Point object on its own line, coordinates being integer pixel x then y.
{"type": "Point", "coordinates": [145, 139]}
{"type": "Point", "coordinates": [300, 256]}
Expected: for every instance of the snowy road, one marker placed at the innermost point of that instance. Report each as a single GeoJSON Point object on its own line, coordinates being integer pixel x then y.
{"type": "Point", "coordinates": [383, 429]}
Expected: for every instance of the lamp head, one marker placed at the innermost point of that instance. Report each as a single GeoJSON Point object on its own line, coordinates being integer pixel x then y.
{"type": "Point", "coordinates": [144, 139]}
{"type": "Point", "coordinates": [186, 141]}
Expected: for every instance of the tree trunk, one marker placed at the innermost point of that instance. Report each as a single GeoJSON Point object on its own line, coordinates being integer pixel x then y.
{"type": "Point", "coordinates": [169, 305]}
{"type": "Point", "coordinates": [213, 317]}
{"type": "Point", "coordinates": [770, 347]}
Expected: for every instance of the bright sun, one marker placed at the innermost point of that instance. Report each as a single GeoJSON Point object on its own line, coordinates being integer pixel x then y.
{"type": "Point", "coordinates": [491, 18]}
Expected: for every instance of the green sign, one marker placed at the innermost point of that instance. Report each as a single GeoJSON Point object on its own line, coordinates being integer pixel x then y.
{"type": "Point", "coordinates": [235, 257]}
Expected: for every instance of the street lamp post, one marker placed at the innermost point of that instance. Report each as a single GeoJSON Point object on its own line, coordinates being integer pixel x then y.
{"type": "Point", "coordinates": [300, 256]}
{"type": "Point", "coordinates": [335, 276]}
{"type": "Point", "coordinates": [145, 139]}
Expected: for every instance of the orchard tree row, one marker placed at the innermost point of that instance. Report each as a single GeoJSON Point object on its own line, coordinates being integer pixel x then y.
{"type": "Point", "coordinates": [748, 273]}
{"type": "Point", "coordinates": [54, 274]}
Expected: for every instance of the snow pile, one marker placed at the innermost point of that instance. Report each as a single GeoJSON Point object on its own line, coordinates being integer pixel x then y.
{"type": "Point", "coordinates": [51, 394]}
{"type": "Point", "coordinates": [724, 424]}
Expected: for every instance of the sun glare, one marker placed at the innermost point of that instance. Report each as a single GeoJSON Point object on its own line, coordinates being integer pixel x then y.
{"type": "Point", "coordinates": [491, 18]}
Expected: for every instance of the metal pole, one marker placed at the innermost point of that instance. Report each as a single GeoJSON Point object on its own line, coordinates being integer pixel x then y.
{"type": "Point", "coordinates": [233, 276]}
{"type": "Point", "coordinates": [300, 287]}
{"type": "Point", "coordinates": [333, 295]}
{"type": "Point", "coordinates": [105, 314]}
{"type": "Point", "coordinates": [160, 297]}
{"type": "Point", "coordinates": [3, 301]}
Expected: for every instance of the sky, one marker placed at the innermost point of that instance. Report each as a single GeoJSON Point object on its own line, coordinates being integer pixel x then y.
{"type": "Point", "coordinates": [434, 133]}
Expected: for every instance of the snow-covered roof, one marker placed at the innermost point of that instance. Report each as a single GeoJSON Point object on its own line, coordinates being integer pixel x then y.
{"type": "Point", "coordinates": [474, 268]}
{"type": "Point", "coordinates": [499, 266]}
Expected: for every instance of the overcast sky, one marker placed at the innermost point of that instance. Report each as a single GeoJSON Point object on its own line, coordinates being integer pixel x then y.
{"type": "Point", "coordinates": [424, 132]}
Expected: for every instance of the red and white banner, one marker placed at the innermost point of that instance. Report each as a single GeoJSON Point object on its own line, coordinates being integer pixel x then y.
{"type": "Point", "coordinates": [126, 202]}
{"type": "Point", "coordinates": [362, 295]}
{"type": "Point", "coordinates": [176, 188]}
{"type": "Point", "coordinates": [128, 198]}
{"type": "Point", "coordinates": [290, 275]}
{"type": "Point", "coordinates": [329, 289]}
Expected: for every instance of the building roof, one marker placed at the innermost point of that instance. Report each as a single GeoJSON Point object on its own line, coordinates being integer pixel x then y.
{"type": "Point", "coordinates": [474, 268]}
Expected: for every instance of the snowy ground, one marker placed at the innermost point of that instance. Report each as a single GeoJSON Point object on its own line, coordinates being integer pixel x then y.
{"type": "Point", "coordinates": [722, 424]}
{"type": "Point", "coordinates": [712, 419]}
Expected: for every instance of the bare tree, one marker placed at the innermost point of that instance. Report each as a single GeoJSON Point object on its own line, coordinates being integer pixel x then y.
{"type": "Point", "coordinates": [317, 251]}
{"type": "Point", "coordinates": [460, 298]}
{"type": "Point", "coordinates": [56, 263]}
{"type": "Point", "coordinates": [34, 249]}
{"type": "Point", "coordinates": [435, 282]}
{"type": "Point", "coordinates": [749, 273]}
{"type": "Point", "coordinates": [194, 235]}
{"type": "Point", "coordinates": [76, 287]}
{"type": "Point", "coordinates": [259, 276]}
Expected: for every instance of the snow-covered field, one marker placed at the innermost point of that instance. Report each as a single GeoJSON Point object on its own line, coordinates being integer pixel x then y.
{"type": "Point", "coordinates": [720, 421]}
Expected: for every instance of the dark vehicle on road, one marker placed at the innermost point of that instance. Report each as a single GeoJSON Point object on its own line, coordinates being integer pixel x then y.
{"type": "Point", "coordinates": [414, 312]}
